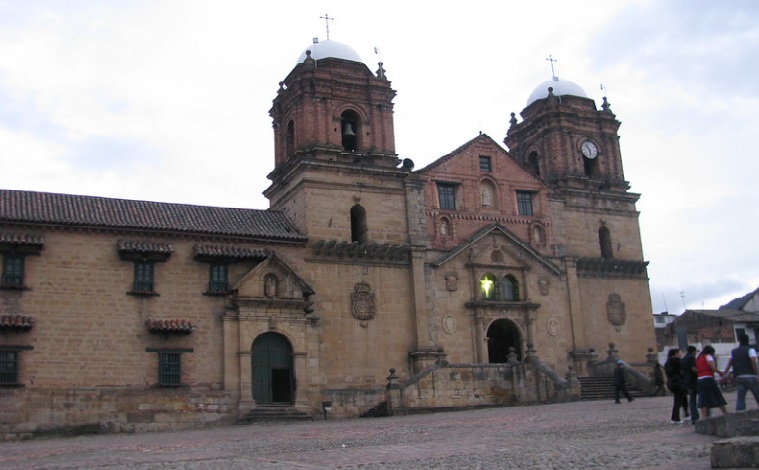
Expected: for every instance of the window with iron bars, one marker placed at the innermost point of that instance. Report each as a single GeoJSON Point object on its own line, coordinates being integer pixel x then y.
{"type": "Point", "coordinates": [8, 367]}
{"type": "Point", "coordinates": [169, 368]}
{"type": "Point", "coordinates": [524, 203]}
{"type": "Point", "coordinates": [219, 278]}
{"type": "Point", "coordinates": [13, 270]}
{"type": "Point", "coordinates": [143, 276]}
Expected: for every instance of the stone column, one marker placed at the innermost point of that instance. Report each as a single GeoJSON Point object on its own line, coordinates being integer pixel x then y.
{"type": "Point", "coordinates": [301, 375]}
{"type": "Point", "coordinates": [575, 306]}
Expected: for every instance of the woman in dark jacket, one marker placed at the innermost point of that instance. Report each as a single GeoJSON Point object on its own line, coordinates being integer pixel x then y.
{"type": "Point", "coordinates": [676, 385]}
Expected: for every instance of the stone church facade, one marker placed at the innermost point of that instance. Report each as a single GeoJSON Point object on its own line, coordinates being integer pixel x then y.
{"type": "Point", "coordinates": [132, 315]}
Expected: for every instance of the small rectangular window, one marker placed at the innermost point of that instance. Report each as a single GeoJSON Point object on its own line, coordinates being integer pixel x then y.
{"type": "Point", "coordinates": [485, 164]}
{"type": "Point", "coordinates": [13, 270]}
{"type": "Point", "coordinates": [9, 367]}
{"type": "Point", "coordinates": [446, 196]}
{"type": "Point", "coordinates": [218, 281]}
{"type": "Point", "coordinates": [524, 203]}
{"type": "Point", "coordinates": [169, 370]}
{"type": "Point", "coordinates": [144, 276]}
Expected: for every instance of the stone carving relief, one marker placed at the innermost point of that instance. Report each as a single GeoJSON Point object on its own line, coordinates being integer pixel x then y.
{"type": "Point", "coordinates": [449, 324]}
{"type": "Point", "coordinates": [552, 326]}
{"type": "Point", "coordinates": [487, 199]}
{"type": "Point", "coordinates": [451, 282]}
{"type": "Point", "coordinates": [616, 310]}
{"type": "Point", "coordinates": [362, 300]}
{"type": "Point", "coordinates": [270, 286]}
{"type": "Point", "coordinates": [543, 286]}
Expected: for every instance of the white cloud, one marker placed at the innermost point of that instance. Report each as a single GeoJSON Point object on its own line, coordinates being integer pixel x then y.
{"type": "Point", "coordinates": [168, 100]}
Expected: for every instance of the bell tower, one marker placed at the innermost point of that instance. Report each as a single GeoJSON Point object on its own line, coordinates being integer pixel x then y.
{"type": "Point", "coordinates": [566, 141]}
{"type": "Point", "coordinates": [336, 169]}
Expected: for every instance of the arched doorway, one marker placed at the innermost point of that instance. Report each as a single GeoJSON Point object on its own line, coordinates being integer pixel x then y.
{"type": "Point", "coordinates": [502, 335]}
{"type": "Point", "coordinates": [272, 364]}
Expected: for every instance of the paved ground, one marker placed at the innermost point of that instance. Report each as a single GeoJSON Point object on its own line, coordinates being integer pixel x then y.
{"type": "Point", "coordinates": [578, 435]}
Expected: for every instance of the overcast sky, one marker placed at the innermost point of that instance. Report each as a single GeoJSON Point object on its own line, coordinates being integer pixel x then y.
{"type": "Point", "coordinates": [168, 100]}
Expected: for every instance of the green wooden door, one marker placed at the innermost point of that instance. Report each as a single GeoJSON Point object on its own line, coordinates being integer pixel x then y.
{"type": "Point", "coordinates": [272, 364]}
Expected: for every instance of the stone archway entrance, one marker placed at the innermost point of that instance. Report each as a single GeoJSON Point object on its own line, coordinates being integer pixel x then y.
{"type": "Point", "coordinates": [272, 369]}
{"type": "Point", "coordinates": [503, 334]}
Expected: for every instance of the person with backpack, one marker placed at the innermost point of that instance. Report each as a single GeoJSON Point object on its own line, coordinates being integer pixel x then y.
{"type": "Point", "coordinates": [743, 360]}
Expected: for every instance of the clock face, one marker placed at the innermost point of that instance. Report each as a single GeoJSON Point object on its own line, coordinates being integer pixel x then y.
{"type": "Point", "coordinates": [589, 149]}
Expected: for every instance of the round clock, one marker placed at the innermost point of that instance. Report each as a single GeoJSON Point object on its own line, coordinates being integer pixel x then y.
{"type": "Point", "coordinates": [589, 149]}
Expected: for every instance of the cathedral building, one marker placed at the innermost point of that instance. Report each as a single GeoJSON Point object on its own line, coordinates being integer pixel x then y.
{"type": "Point", "coordinates": [122, 315]}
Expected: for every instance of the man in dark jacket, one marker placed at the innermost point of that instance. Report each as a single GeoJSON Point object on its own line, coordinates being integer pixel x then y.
{"type": "Point", "coordinates": [744, 363]}
{"type": "Point", "coordinates": [688, 367]}
{"type": "Point", "coordinates": [619, 382]}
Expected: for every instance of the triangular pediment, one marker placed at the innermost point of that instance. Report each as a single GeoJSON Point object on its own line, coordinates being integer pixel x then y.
{"type": "Point", "coordinates": [511, 250]}
{"type": "Point", "coordinates": [273, 279]}
{"type": "Point", "coordinates": [507, 169]}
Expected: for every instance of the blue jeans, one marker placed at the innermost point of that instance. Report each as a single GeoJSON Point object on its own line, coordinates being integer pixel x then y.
{"type": "Point", "coordinates": [693, 403]}
{"type": "Point", "coordinates": [742, 385]}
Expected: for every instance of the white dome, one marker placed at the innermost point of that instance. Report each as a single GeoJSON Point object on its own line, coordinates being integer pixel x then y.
{"type": "Point", "coordinates": [560, 88]}
{"type": "Point", "coordinates": [328, 48]}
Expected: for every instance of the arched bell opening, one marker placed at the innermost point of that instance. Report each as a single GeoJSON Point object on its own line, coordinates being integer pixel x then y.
{"type": "Point", "coordinates": [350, 127]}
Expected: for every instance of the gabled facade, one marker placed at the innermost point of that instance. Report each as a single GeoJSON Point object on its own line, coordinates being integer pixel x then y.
{"type": "Point", "coordinates": [527, 258]}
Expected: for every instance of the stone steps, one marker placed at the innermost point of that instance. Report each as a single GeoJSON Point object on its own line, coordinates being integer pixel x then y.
{"type": "Point", "coordinates": [264, 413]}
{"type": "Point", "coordinates": [602, 388]}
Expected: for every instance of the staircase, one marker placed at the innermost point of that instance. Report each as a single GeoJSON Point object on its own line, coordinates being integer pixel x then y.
{"type": "Point", "coordinates": [376, 412]}
{"type": "Point", "coordinates": [602, 388]}
{"type": "Point", "coordinates": [278, 413]}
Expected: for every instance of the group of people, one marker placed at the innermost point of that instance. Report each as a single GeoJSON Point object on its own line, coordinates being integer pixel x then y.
{"type": "Point", "coordinates": [694, 389]}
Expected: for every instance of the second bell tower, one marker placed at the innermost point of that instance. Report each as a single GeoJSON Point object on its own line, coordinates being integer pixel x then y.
{"type": "Point", "coordinates": [334, 150]}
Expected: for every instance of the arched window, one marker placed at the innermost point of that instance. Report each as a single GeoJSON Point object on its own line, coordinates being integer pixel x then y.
{"type": "Point", "coordinates": [290, 139]}
{"type": "Point", "coordinates": [533, 164]}
{"type": "Point", "coordinates": [604, 239]}
{"type": "Point", "coordinates": [358, 225]}
{"type": "Point", "coordinates": [510, 288]}
{"type": "Point", "coordinates": [488, 287]}
{"type": "Point", "coordinates": [350, 128]}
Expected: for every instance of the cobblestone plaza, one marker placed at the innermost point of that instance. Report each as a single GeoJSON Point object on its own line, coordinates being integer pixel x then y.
{"type": "Point", "coordinates": [579, 435]}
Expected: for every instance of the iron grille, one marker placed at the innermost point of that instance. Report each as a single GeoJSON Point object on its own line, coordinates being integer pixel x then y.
{"type": "Point", "coordinates": [170, 371]}
{"type": "Point", "coordinates": [8, 367]}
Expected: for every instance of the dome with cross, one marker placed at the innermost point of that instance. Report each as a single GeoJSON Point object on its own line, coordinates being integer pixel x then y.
{"type": "Point", "coordinates": [324, 49]}
{"type": "Point", "coordinates": [560, 88]}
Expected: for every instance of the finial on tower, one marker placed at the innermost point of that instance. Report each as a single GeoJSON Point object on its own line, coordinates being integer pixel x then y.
{"type": "Point", "coordinates": [553, 73]}
{"type": "Point", "coordinates": [326, 19]}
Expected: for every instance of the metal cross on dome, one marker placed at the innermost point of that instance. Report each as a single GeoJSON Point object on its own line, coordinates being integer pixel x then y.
{"type": "Point", "coordinates": [326, 19]}
{"type": "Point", "coordinates": [552, 60]}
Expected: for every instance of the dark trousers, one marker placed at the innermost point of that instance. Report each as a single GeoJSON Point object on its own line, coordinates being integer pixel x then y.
{"type": "Point", "coordinates": [679, 400]}
{"type": "Point", "coordinates": [693, 402]}
{"type": "Point", "coordinates": [621, 388]}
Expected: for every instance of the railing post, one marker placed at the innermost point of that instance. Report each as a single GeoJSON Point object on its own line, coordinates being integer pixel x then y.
{"type": "Point", "coordinates": [392, 392]}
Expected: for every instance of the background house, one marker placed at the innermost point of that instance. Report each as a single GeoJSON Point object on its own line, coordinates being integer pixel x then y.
{"type": "Point", "coordinates": [719, 327]}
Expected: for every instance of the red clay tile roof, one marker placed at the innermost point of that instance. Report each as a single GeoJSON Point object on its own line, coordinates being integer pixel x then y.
{"type": "Point", "coordinates": [169, 326]}
{"type": "Point", "coordinates": [21, 239]}
{"type": "Point", "coordinates": [126, 246]}
{"type": "Point", "coordinates": [91, 211]}
{"type": "Point", "coordinates": [16, 321]}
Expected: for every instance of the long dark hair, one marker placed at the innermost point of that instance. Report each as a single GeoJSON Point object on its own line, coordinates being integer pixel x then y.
{"type": "Point", "coordinates": [708, 349]}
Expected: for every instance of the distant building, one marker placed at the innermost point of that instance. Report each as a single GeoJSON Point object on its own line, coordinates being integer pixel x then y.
{"type": "Point", "coordinates": [719, 328]}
